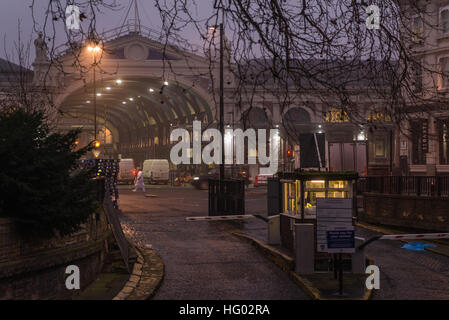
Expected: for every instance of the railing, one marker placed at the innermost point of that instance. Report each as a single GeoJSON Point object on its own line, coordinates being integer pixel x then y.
{"type": "Point", "coordinates": [407, 185]}
{"type": "Point", "coordinates": [226, 197]}
{"type": "Point", "coordinates": [131, 27]}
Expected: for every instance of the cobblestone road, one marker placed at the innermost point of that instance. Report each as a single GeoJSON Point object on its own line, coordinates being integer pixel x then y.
{"type": "Point", "coordinates": [202, 260]}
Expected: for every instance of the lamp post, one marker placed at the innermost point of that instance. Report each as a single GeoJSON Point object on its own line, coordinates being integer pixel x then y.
{"type": "Point", "coordinates": [94, 49]}
{"type": "Point", "coordinates": [222, 171]}
{"type": "Point", "coordinates": [233, 143]}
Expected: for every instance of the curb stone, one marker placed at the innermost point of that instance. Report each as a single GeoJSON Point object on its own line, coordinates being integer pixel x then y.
{"type": "Point", "coordinates": [146, 276]}
{"type": "Point", "coordinates": [287, 264]}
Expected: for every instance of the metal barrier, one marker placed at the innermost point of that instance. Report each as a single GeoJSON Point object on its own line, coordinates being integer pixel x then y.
{"type": "Point", "coordinates": [416, 236]}
{"type": "Point", "coordinates": [226, 197]}
{"type": "Point", "coordinates": [407, 185]}
{"type": "Point", "coordinates": [172, 177]}
{"type": "Point", "coordinates": [107, 169]}
{"type": "Point", "coordinates": [101, 188]}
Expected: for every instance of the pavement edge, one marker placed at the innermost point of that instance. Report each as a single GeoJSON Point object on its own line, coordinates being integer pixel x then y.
{"type": "Point", "coordinates": [146, 277]}
{"type": "Point", "coordinates": [287, 264]}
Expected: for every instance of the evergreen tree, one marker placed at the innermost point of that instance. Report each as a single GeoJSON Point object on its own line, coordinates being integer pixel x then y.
{"type": "Point", "coordinates": [41, 187]}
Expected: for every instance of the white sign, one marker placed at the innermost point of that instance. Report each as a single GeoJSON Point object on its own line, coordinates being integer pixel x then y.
{"type": "Point", "coordinates": [332, 214]}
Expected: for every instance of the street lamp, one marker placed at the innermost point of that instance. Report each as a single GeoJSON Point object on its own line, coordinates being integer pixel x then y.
{"type": "Point", "coordinates": [233, 143]}
{"type": "Point", "coordinates": [94, 49]}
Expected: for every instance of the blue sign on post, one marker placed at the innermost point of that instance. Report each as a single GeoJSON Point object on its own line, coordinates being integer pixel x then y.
{"type": "Point", "coordinates": [339, 241]}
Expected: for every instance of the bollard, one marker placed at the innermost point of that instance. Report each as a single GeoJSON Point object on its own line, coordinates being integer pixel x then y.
{"type": "Point", "coordinates": [274, 230]}
{"type": "Point", "coordinates": [358, 259]}
{"type": "Point", "coordinates": [305, 250]}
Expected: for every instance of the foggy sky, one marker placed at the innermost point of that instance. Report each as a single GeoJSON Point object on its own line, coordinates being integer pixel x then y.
{"type": "Point", "coordinates": [13, 11]}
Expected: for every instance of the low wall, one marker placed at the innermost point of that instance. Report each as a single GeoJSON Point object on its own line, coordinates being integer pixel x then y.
{"type": "Point", "coordinates": [36, 270]}
{"type": "Point", "coordinates": [420, 213]}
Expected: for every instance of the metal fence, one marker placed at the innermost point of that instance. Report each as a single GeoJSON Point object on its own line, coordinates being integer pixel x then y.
{"type": "Point", "coordinates": [226, 197]}
{"type": "Point", "coordinates": [407, 185]}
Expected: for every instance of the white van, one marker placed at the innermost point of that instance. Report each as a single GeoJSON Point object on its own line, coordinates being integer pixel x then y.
{"type": "Point", "coordinates": [127, 171]}
{"type": "Point", "coordinates": [156, 170]}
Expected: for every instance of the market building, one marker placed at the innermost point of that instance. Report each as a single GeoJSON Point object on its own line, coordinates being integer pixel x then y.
{"type": "Point", "coordinates": [133, 91]}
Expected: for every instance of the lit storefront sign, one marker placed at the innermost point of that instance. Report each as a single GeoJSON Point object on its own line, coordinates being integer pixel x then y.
{"type": "Point", "coordinates": [335, 115]}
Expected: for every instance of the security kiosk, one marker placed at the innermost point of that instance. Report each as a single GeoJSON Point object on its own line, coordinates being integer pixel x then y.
{"type": "Point", "coordinates": [299, 194]}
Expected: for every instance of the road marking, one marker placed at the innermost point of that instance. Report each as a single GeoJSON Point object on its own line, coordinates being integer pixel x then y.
{"type": "Point", "coordinates": [149, 195]}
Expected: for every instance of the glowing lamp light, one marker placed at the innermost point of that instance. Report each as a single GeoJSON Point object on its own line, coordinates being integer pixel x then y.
{"type": "Point", "coordinates": [118, 81]}
{"type": "Point", "coordinates": [361, 136]}
{"type": "Point", "coordinates": [131, 99]}
{"type": "Point", "coordinates": [151, 90]}
{"type": "Point", "coordinates": [123, 102]}
{"type": "Point", "coordinates": [98, 94]}
{"type": "Point", "coordinates": [165, 83]}
{"type": "Point", "coordinates": [94, 49]}
{"type": "Point", "coordinates": [108, 88]}
{"type": "Point", "coordinates": [97, 144]}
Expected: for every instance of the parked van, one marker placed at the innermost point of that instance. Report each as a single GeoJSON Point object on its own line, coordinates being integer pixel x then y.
{"type": "Point", "coordinates": [156, 170]}
{"type": "Point", "coordinates": [127, 171]}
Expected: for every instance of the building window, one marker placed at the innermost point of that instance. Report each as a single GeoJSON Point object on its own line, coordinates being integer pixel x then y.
{"type": "Point", "coordinates": [417, 28]}
{"type": "Point", "coordinates": [419, 133]}
{"type": "Point", "coordinates": [443, 137]}
{"type": "Point", "coordinates": [444, 19]}
{"type": "Point", "coordinates": [380, 148]}
{"type": "Point", "coordinates": [444, 69]}
{"type": "Point", "coordinates": [417, 77]}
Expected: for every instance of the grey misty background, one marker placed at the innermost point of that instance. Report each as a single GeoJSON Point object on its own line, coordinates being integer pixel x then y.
{"type": "Point", "coordinates": [14, 11]}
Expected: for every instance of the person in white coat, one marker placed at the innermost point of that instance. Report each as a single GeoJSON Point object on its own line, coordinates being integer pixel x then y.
{"type": "Point", "coordinates": [139, 181]}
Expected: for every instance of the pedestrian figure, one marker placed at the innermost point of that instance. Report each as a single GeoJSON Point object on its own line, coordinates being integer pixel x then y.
{"type": "Point", "coordinates": [139, 181]}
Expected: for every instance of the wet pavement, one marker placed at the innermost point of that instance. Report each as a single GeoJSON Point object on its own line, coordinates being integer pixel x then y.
{"type": "Point", "coordinates": [406, 274]}
{"type": "Point", "coordinates": [202, 259]}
